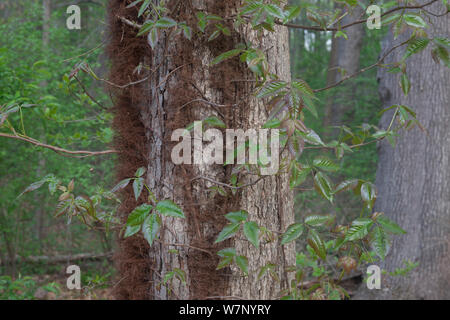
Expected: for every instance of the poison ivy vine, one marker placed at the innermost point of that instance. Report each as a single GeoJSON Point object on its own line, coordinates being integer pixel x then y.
{"type": "Point", "coordinates": [331, 250]}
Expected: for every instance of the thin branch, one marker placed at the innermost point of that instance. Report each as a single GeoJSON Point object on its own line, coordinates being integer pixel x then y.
{"type": "Point", "coordinates": [317, 28]}
{"type": "Point", "coordinates": [364, 69]}
{"type": "Point", "coordinates": [88, 94]}
{"type": "Point", "coordinates": [81, 153]}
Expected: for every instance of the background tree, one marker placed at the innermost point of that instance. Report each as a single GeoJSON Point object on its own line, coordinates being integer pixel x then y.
{"type": "Point", "coordinates": [412, 178]}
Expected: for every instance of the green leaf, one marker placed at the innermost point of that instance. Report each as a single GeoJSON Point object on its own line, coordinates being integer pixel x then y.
{"type": "Point", "coordinates": [138, 185]}
{"type": "Point", "coordinates": [368, 194]}
{"type": "Point", "coordinates": [224, 262]}
{"type": "Point", "coordinates": [317, 244]}
{"type": "Point", "coordinates": [170, 209]}
{"type": "Point", "coordinates": [143, 7]}
{"type": "Point", "coordinates": [325, 164]}
{"type": "Point", "coordinates": [292, 12]}
{"type": "Point", "coordinates": [298, 175]}
{"type": "Point", "coordinates": [226, 55]}
{"type": "Point", "coordinates": [131, 230]}
{"type": "Point", "coordinates": [415, 46]}
{"type": "Point", "coordinates": [309, 105]}
{"type": "Point", "coordinates": [317, 220]}
{"type": "Point", "coordinates": [138, 215]}
{"type": "Point", "coordinates": [150, 228]}
{"type": "Point", "coordinates": [214, 122]}
{"type": "Point", "coordinates": [312, 137]}
{"type": "Point", "coordinates": [187, 31]}
{"type": "Point", "coordinates": [146, 27]}
{"type": "Point", "coordinates": [274, 11]}
{"type": "Point", "coordinates": [165, 22]}
{"type": "Point", "coordinates": [271, 124]}
{"type": "Point", "coordinates": [292, 233]}
{"type": "Point", "coordinates": [152, 38]}
{"type": "Point", "coordinates": [242, 263]}
{"type": "Point", "coordinates": [414, 20]}
{"type": "Point", "coordinates": [227, 252]}
{"type": "Point", "coordinates": [237, 216]}
{"type": "Point", "coordinates": [122, 184]}
{"type": "Point", "coordinates": [380, 243]}
{"type": "Point", "coordinates": [303, 88]}
{"type": "Point", "coordinates": [33, 186]}
{"type": "Point", "coordinates": [214, 35]}
{"type": "Point", "coordinates": [271, 88]}
{"type": "Point", "coordinates": [251, 231]}
{"type": "Point", "coordinates": [140, 172]}
{"type": "Point", "coordinates": [228, 231]}
{"type": "Point", "coordinates": [405, 84]}
{"type": "Point", "coordinates": [389, 225]}
{"type": "Point", "coordinates": [323, 186]}
{"type": "Point", "coordinates": [359, 229]}
{"type": "Point", "coordinates": [347, 185]}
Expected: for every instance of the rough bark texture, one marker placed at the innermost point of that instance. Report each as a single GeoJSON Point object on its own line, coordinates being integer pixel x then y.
{"type": "Point", "coordinates": [413, 179]}
{"type": "Point", "coordinates": [179, 73]}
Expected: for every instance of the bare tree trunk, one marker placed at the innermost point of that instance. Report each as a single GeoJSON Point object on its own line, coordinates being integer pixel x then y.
{"type": "Point", "coordinates": [182, 73]}
{"type": "Point", "coordinates": [413, 179]}
{"type": "Point", "coordinates": [344, 60]}
{"type": "Point", "coordinates": [40, 208]}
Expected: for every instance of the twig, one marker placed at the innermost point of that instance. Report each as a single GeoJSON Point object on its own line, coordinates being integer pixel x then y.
{"type": "Point", "coordinates": [317, 28]}
{"type": "Point", "coordinates": [88, 94]}
{"type": "Point", "coordinates": [364, 69]}
{"type": "Point", "coordinates": [82, 153]}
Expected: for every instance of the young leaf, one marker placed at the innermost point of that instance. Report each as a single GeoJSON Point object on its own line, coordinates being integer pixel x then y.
{"type": "Point", "coordinates": [242, 263]}
{"type": "Point", "coordinates": [131, 230]}
{"type": "Point", "coordinates": [414, 20]}
{"type": "Point", "coordinates": [138, 185]}
{"type": "Point", "coordinates": [214, 122]}
{"type": "Point", "coordinates": [122, 184]}
{"type": "Point", "coordinates": [237, 217]}
{"type": "Point", "coordinates": [224, 262]}
{"type": "Point", "coordinates": [150, 228]}
{"type": "Point", "coordinates": [316, 220]}
{"type": "Point", "coordinates": [271, 88]}
{"type": "Point", "coordinates": [389, 225]}
{"type": "Point", "coordinates": [138, 215]}
{"type": "Point", "coordinates": [292, 233]}
{"type": "Point", "coordinates": [380, 243]}
{"type": "Point", "coordinates": [359, 229]}
{"type": "Point", "coordinates": [140, 172]}
{"type": "Point", "coordinates": [227, 252]}
{"type": "Point", "coordinates": [226, 55]}
{"type": "Point", "coordinates": [405, 84]}
{"type": "Point", "coordinates": [165, 22]}
{"type": "Point", "coordinates": [323, 186]}
{"type": "Point", "coordinates": [170, 209]}
{"type": "Point", "coordinates": [227, 232]}
{"type": "Point", "coordinates": [317, 244]}
{"type": "Point", "coordinates": [251, 231]}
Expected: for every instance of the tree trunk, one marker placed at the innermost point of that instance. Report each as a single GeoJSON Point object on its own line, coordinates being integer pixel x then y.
{"type": "Point", "coordinates": [40, 206]}
{"type": "Point", "coordinates": [344, 60]}
{"type": "Point", "coordinates": [413, 179]}
{"type": "Point", "coordinates": [146, 117]}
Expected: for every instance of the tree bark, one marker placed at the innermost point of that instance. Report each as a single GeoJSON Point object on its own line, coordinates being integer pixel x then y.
{"type": "Point", "coordinates": [413, 179]}
{"type": "Point", "coordinates": [181, 72]}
